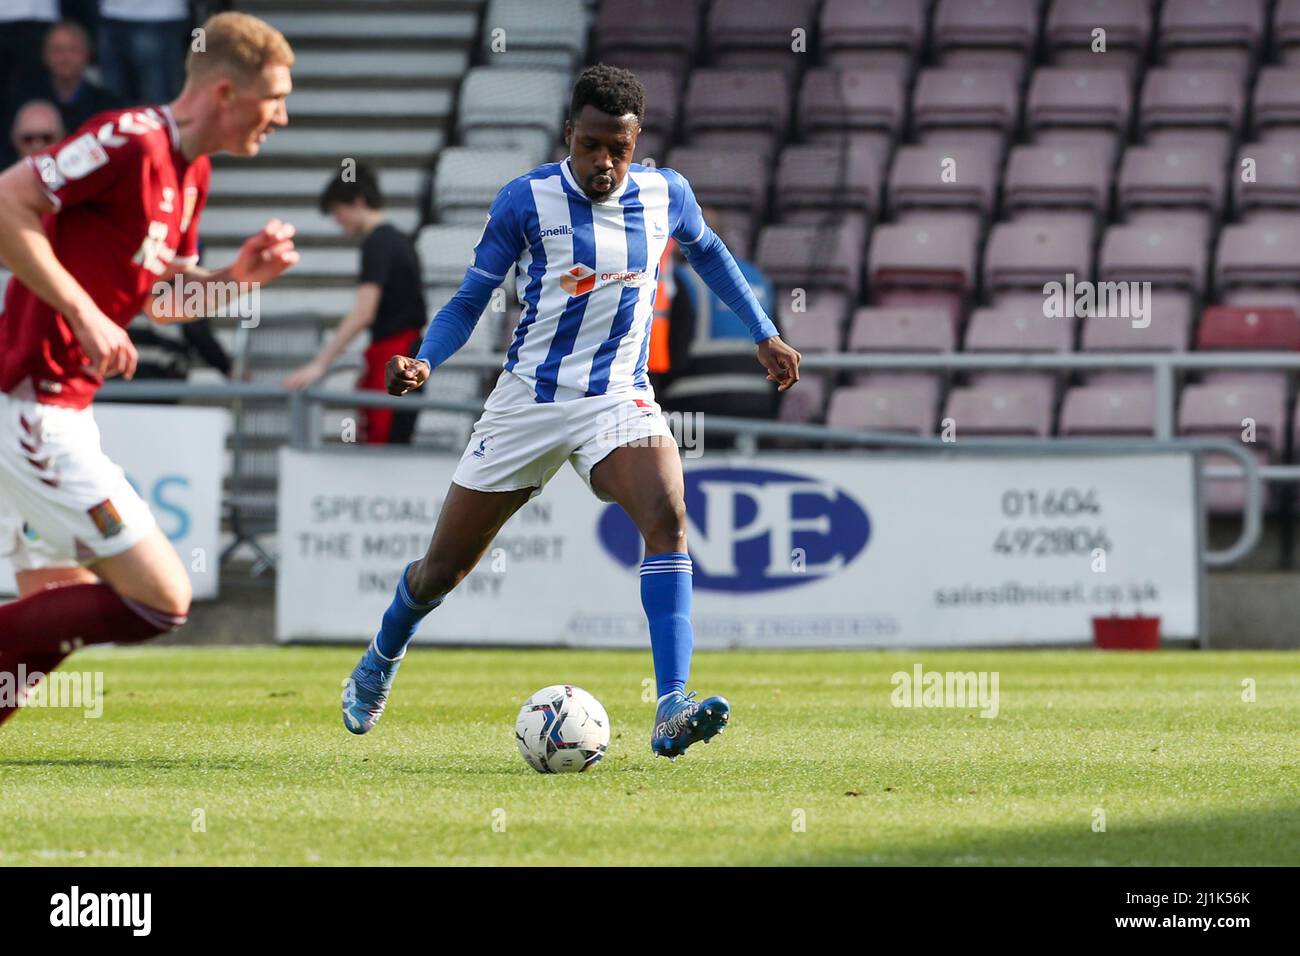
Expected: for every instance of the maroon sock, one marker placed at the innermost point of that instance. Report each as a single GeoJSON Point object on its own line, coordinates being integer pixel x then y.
{"type": "Point", "coordinates": [36, 664]}
{"type": "Point", "coordinates": [63, 618]}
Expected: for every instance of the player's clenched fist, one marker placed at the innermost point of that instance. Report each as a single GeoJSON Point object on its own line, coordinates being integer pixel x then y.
{"type": "Point", "coordinates": [108, 347]}
{"type": "Point", "coordinates": [404, 373]}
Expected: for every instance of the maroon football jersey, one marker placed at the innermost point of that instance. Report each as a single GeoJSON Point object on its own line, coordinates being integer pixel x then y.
{"type": "Point", "coordinates": [126, 209]}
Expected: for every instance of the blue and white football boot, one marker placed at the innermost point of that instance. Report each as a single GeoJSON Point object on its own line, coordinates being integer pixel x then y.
{"type": "Point", "coordinates": [365, 693]}
{"type": "Point", "coordinates": [681, 720]}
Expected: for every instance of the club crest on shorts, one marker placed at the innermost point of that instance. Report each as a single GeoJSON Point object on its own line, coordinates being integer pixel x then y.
{"type": "Point", "coordinates": [484, 446]}
{"type": "Point", "coordinates": [106, 518]}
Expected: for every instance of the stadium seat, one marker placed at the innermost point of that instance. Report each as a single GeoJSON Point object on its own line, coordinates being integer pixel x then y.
{"type": "Point", "coordinates": [988, 411]}
{"type": "Point", "coordinates": [533, 35]}
{"type": "Point", "coordinates": [885, 35]}
{"type": "Point", "coordinates": [1211, 34]}
{"type": "Point", "coordinates": [1227, 411]}
{"type": "Point", "coordinates": [1026, 254]}
{"type": "Point", "coordinates": [1275, 186]}
{"type": "Point", "coordinates": [1275, 106]}
{"type": "Point", "coordinates": [512, 107]}
{"type": "Point", "coordinates": [1192, 107]}
{"type": "Point", "coordinates": [994, 35]}
{"type": "Point", "coordinates": [814, 180]}
{"type": "Point", "coordinates": [876, 408]}
{"type": "Point", "coordinates": [661, 109]}
{"type": "Point", "coordinates": [759, 34]}
{"type": "Point", "coordinates": [1071, 97]}
{"type": "Point", "coordinates": [806, 402]}
{"type": "Point", "coordinates": [918, 329]}
{"type": "Point", "coordinates": [858, 106]}
{"type": "Point", "coordinates": [445, 251]}
{"type": "Point", "coordinates": [1022, 329]}
{"type": "Point", "coordinates": [1225, 328]}
{"type": "Point", "coordinates": [951, 104]}
{"type": "Point", "coordinates": [736, 181]}
{"type": "Point", "coordinates": [1171, 177]}
{"type": "Point", "coordinates": [1056, 177]}
{"type": "Point", "coordinates": [919, 180]}
{"type": "Point", "coordinates": [635, 34]}
{"type": "Point", "coordinates": [1097, 411]}
{"type": "Point", "coordinates": [1169, 329]}
{"type": "Point", "coordinates": [737, 109]}
{"type": "Point", "coordinates": [1286, 31]}
{"type": "Point", "coordinates": [816, 256]}
{"type": "Point", "coordinates": [928, 253]}
{"type": "Point", "coordinates": [1162, 256]}
{"type": "Point", "coordinates": [818, 325]}
{"type": "Point", "coordinates": [468, 178]}
{"type": "Point", "coordinates": [1257, 254]}
{"type": "Point", "coordinates": [1070, 34]}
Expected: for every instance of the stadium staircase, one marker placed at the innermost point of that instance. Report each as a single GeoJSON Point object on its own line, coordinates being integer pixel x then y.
{"type": "Point", "coordinates": [375, 81]}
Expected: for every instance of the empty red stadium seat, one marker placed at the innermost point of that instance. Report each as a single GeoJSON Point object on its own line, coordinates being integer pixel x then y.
{"type": "Point", "coordinates": [1161, 255]}
{"type": "Point", "coordinates": [806, 402]}
{"type": "Point", "coordinates": [1227, 327]}
{"type": "Point", "coordinates": [1210, 33]}
{"type": "Point", "coordinates": [820, 256]}
{"type": "Point", "coordinates": [729, 102]}
{"type": "Point", "coordinates": [1127, 24]}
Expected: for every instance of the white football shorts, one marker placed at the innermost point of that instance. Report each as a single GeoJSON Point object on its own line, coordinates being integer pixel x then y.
{"type": "Point", "coordinates": [63, 503]}
{"type": "Point", "coordinates": [521, 443]}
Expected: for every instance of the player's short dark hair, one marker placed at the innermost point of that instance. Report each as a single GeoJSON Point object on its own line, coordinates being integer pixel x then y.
{"type": "Point", "coordinates": [348, 183]}
{"type": "Point", "coordinates": [610, 89]}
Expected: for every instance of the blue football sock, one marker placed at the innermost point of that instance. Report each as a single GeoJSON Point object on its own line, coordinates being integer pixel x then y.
{"type": "Point", "coordinates": [400, 620]}
{"type": "Point", "coordinates": [666, 597]}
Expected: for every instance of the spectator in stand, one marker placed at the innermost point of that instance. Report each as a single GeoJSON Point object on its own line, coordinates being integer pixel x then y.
{"type": "Point", "coordinates": [142, 47]}
{"type": "Point", "coordinates": [36, 126]}
{"type": "Point", "coordinates": [389, 302]}
{"type": "Point", "coordinates": [22, 28]}
{"type": "Point", "coordinates": [64, 83]}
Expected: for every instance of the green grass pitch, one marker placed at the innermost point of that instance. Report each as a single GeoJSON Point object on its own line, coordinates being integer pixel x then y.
{"type": "Point", "coordinates": [222, 756]}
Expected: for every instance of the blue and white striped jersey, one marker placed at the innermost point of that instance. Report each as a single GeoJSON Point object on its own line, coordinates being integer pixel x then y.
{"type": "Point", "coordinates": [586, 272]}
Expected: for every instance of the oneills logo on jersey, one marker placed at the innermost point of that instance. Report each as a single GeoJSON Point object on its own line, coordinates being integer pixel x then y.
{"type": "Point", "coordinates": [580, 279]}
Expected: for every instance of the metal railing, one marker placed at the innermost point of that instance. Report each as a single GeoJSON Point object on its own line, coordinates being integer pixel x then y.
{"type": "Point", "coordinates": [305, 422]}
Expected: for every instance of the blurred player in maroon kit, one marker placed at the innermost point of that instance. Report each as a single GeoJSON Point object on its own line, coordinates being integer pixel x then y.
{"type": "Point", "coordinates": [92, 228]}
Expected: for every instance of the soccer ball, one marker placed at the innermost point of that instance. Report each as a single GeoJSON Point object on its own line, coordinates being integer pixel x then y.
{"type": "Point", "coordinates": [562, 729]}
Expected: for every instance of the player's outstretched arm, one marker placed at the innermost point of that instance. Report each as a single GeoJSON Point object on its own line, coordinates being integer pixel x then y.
{"type": "Point", "coordinates": [24, 246]}
{"type": "Point", "coordinates": [449, 330]}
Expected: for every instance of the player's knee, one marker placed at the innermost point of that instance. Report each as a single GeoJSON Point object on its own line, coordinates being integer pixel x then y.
{"type": "Point", "coordinates": [172, 596]}
{"type": "Point", "coordinates": [664, 525]}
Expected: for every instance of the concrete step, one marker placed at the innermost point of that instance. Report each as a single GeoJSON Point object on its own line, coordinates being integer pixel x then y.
{"type": "Point", "coordinates": [368, 24]}
{"type": "Point", "coordinates": [222, 223]}
{"type": "Point", "coordinates": [427, 68]}
{"type": "Point", "coordinates": [229, 183]}
{"type": "Point", "coordinates": [386, 147]}
{"type": "Point", "coordinates": [427, 105]}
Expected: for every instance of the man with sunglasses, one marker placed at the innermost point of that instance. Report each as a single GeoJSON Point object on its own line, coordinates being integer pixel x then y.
{"type": "Point", "coordinates": [36, 127]}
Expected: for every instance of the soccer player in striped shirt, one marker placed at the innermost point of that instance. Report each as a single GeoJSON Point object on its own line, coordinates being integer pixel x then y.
{"type": "Point", "coordinates": [585, 237]}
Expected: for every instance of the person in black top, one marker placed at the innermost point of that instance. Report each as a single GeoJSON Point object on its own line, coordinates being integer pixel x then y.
{"type": "Point", "coordinates": [66, 55]}
{"type": "Point", "coordinates": [389, 302]}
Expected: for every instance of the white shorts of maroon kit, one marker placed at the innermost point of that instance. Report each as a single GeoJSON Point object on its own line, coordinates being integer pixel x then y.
{"type": "Point", "coordinates": [520, 442]}
{"type": "Point", "coordinates": [63, 503]}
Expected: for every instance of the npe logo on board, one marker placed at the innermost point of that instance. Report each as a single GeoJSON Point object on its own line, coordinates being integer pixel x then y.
{"type": "Point", "coordinates": [755, 529]}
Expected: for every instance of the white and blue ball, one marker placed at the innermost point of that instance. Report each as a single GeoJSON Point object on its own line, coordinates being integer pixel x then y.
{"type": "Point", "coordinates": [562, 729]}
